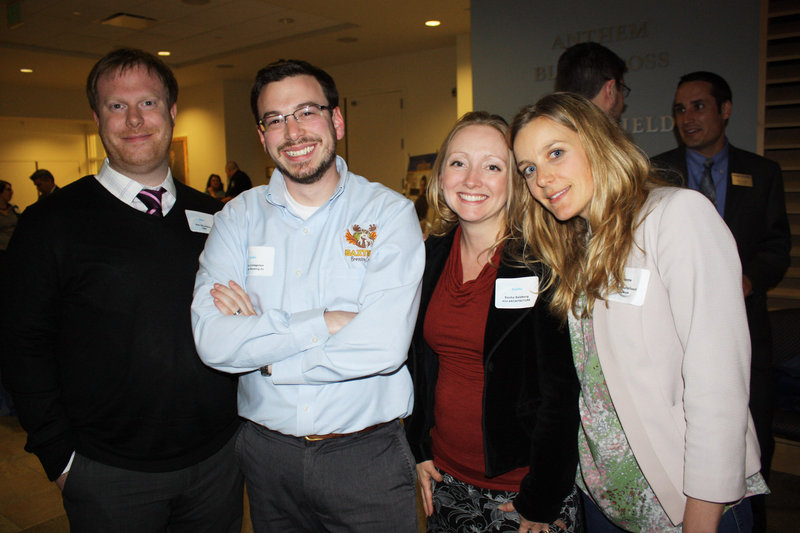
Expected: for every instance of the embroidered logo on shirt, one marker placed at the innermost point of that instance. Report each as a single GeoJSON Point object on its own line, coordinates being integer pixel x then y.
{"type": "Point", "coordinates": [362, 239]}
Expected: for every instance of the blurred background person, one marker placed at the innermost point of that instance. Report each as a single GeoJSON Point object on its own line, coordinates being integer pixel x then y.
{"type": "Point", "coordinates": [495, 415]}
{"type": "Point", "coordinates": [421, 206]}
{"type": "Point", "coordinates": [657, 322]}
{"type": "Point", "coordinates": [214, 186]}
{"type": "Point", "coordinates": [8, 221]}
{"type": "Point", "coordinates": [44, 181]}
{"type": "Point", "coordinates": [596, 73]}
{"type": "Point", "coordinates": [9, 213]}
{"type": "Point", "coordinates": [238, 181]}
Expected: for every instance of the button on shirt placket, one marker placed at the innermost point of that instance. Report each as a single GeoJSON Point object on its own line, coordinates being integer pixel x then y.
{"type": "Point", "coordinates": [298, 298]}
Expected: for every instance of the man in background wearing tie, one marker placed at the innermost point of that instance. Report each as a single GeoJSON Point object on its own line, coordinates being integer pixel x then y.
{"type": "Point", "coordinates": [747, 190]}
{"type": "Point", "coordinates": [98, 354]}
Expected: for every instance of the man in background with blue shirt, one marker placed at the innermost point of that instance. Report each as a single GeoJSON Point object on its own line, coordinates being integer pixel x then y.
{"type": "Point", "coordinates": [309, 289]}
{"type": "Point", "coordinates": [747, 191]}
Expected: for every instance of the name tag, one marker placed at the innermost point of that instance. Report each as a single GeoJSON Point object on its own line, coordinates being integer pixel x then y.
{"type": "Point", "coordinates": [742, 180]}
{"type": "Point", "coordinates": [516, 293]}
{"type": "Point", "coordinates": [635, 288]}
{"type": "Point", "coordinates": [199, 222]}
{"type": "Point", "coordinates": [260, 260]}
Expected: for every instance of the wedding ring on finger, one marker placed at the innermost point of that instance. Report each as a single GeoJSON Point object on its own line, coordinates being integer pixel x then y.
{"type": "Point", "coordinates": [237, 312]}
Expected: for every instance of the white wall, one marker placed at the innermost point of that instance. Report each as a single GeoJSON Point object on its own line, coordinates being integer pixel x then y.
{"type": "Point", "coordinates": [241, 138]}
{"type": "Point", "coordinates": [201, 120]}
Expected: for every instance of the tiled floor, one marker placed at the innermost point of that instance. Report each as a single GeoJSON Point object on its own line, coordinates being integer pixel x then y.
{"type": "Point", "coordinates": [29, 503]}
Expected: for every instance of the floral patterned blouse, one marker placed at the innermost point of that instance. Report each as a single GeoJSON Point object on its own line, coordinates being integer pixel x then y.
{"type": "Point", "coordinates": [608, 470]}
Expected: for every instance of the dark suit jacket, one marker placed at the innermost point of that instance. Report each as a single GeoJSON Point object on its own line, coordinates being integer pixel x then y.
{"type": "Point", "coordinates": [238, 183]}
{"type": "Point", "coordinates": [530, 394]}
{"type": "Point", "coordinates": [757, 218]}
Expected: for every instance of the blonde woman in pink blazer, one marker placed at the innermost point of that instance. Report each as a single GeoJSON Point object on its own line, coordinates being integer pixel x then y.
{"type": "Point", "coordinates": [649, 280]}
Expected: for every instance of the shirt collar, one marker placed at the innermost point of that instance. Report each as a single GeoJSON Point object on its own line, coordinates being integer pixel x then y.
{"type": "Point", "coordinates": [126, 189]}
{"type": "Point", "coordinates": [277, 193]}
{"type": "Point", "coordinates": [698, 159]}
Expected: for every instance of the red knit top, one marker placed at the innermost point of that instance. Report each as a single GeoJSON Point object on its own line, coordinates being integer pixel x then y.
{"type": "Point", "coordinates": [454, 329]}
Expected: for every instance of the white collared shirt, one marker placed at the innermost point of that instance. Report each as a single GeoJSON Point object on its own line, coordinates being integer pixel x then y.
{"type": "Point", "coordinates": [126, 189]}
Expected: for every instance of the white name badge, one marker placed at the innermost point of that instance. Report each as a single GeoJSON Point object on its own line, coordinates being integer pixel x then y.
{"type": "Point", "coordinates": [199, 222]}
{"type": "Point", "coordinates": [516, 293]}
{"type": "Point", "coordinates": [260, 260]}
{"type": "Point", "coordinates": [635, 289]}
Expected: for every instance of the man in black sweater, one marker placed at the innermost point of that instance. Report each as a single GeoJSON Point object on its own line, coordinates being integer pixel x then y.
{"type": "Point", "coordinates": [99, 355]}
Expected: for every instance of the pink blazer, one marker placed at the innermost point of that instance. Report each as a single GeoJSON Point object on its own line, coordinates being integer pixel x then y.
{"type": "Point", "coordinates": [677, 362]}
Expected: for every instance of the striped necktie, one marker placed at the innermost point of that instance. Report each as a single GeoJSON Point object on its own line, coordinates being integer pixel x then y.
{"type": "Point", "coordinates": [152, 200]}
{"type": "Point", "coordinates": [707, 182]}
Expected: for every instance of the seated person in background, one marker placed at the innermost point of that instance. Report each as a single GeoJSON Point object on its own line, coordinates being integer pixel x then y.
{"type": "Point", "coordinates": [214, 186]}
{"type": "Point", "coordinates": [495, 391]}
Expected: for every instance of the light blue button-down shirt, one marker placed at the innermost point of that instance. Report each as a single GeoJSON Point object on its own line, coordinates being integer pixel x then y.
{"type": "Point", "coordinates": [361, 251]}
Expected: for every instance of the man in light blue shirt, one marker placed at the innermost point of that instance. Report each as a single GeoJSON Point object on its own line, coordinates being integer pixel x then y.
{"type": "Point", "coordinates": [309, 289]}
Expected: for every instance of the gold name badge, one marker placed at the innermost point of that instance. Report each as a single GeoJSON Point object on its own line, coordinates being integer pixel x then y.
{"type": "Point", "coordinates": [742, 180]}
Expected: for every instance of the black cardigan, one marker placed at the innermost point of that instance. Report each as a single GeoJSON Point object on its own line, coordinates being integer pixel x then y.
{"type": "Point", "coordinates": [530, 396]}
{"type": "Point", "coordinates": [99, 354]}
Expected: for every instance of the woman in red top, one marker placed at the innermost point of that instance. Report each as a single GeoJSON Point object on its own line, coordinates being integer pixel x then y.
{"type": "Point", "coordinates": [495, 417]}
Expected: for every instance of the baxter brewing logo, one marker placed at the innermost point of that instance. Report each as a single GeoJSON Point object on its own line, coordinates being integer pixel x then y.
{"type": "Point", "coordinates": [362, 239]}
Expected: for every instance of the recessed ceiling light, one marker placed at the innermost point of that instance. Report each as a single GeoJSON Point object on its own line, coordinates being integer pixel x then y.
{"type": "Point", "coordinates": [432, 23]}
{"type": "Point", "coordinates": [26, 70]}
{"type": "Point", "coordinates": [164, 53]}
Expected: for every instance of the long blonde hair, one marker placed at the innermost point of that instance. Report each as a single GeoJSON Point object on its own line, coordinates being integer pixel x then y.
{"type": "Point", "coordinates": [587, 258]}
{"type": "Point", "coordinates": [518, 197]}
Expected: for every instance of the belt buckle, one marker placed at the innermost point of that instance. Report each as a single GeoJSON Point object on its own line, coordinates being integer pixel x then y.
{"type": "Point", "coordinates": [313, 438]}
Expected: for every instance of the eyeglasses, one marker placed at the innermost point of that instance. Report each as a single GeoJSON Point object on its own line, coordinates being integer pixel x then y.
{"type": "Point", "coordinates": [626, 91]}
{"type": "Point", "coordinates": [276, 121]}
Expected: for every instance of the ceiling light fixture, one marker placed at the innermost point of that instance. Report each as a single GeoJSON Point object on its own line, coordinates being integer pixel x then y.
{"type": "Point", "coordinates": [131, 22]}
{"type": "Point", "coordinates": [26, 70]}
{"type": "Point", "coordinates": [164, 53]}
{"type": "Point", "coordinates": [432, 23]}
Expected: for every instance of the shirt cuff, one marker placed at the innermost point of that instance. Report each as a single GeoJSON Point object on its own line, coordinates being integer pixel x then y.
{"type": "Point", "coordinates": [69, 464]}
{"type": "Point", "coordinates": [310, 331]}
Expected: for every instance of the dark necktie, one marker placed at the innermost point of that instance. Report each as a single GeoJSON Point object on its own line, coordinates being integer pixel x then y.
{"type": "Point", "coordinates": [152, 200]}
{"type": "Point", "coordinates": [707, 182]}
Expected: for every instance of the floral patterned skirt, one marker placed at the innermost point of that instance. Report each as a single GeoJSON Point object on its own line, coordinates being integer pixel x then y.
{"type": "Point", "coordinates": [459, 507]}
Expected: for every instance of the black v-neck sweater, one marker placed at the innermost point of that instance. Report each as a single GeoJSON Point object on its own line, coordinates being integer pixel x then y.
{"type": "Point", "coordinates": [99, 350]}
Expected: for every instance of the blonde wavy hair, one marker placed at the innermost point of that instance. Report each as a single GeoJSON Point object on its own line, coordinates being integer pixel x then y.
{"type": "Point", "coordinates": [518, 197]}
{"type": "Point", "coordinates": [587, 256]}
